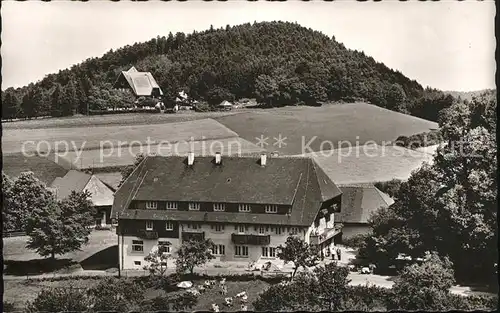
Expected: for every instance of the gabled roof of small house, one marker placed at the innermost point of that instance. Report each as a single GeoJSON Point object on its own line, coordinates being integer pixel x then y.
{"type": "Point", "coordinates": [141, 83]}
{"type": "Point", "coordinates": [225, 103]}
{"type": "Point", "coordinates": [297, 182]}
{"type": "Point", "coordinates": [78, 181]}
{"type": "Point", "coordinates": [43, 168]}
{"type": "Point", "coordinates": [359, 201]}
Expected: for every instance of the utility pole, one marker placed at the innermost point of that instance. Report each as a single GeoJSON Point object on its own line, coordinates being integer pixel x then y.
{"type": "Point", "coordinates": [118, 241]}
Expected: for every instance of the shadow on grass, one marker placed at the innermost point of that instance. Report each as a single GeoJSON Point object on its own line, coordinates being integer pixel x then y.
{"type": "Point", "coordinates": [102, 260]}
{"type": "Point", "coordinates": [36, 266]}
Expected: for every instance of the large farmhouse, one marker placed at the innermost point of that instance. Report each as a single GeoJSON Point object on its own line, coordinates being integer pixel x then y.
{"type": "Point", "coordinates": [142, 84]}
{"type": "Point", "coordinates": [248, 206]}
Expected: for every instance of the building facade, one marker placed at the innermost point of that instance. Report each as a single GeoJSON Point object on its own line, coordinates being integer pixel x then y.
{"type": "Point", "coordinates": [247, 206]}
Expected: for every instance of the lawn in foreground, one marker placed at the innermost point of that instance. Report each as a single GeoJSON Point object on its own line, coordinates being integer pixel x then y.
{"type": "Point", "coordinates": [20, 291]}
{"type": "Point", "coordinates": [329, 124]}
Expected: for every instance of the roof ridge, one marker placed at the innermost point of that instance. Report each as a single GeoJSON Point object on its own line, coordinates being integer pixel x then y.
{"type": "Point", "coordinates": [304, 199]}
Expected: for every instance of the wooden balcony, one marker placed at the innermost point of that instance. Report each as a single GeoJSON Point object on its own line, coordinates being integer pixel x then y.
{"type": "Point", "coordinates": [258, 240]}
{"type": "Point", "coordinates": [147, 234]}
{"type": "Point", "coordinates": [328, 233]}
{"type": "Point", "coordinates": [191, 235]}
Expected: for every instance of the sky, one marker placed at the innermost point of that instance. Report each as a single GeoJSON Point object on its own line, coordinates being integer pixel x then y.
{"type": "Point", "coordinates": [448, 45]}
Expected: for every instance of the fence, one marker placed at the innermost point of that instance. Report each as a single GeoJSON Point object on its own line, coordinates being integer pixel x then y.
{"type": "Point", "coordinates": [13, 234]}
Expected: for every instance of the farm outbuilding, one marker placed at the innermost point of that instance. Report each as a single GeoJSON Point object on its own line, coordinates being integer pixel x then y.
{"type": "Point", "coordinates": [226, 105]}
{"type": "Point", "coordinates": [142, 84]}
{"type": "Point", "coordinates": [101, 194]}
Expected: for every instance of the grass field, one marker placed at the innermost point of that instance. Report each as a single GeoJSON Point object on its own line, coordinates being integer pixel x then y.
{"type": "Point", "coordinates": [14, 248]}
{"type": "Point", "coordinates": [369, 165]}
{"type": "Point", "coordinates": [330, 123]}
{"type": "Point", "coordinates": [85, 138]}
{"type": "Point", "coordinates": [116, 120]}
{"type": "Point", "coordinates": [43, 168]}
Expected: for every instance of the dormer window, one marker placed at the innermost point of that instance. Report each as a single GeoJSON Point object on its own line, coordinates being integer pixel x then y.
{"type": "Point", "coordinates": [244, 208]}
{"type": "Point", "coordinates": [194, 206]}
{"type": "Point", "coordinates": [219, 207]}
{"type": "Point", "coordinates": [171, 205]}
{"type": "Point", "coordinates": [271, 208]}
{"type": "Point", "coordinates": [151, 205]}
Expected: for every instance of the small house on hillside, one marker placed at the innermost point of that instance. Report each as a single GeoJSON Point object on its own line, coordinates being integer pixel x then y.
{"type": "Point", "coordinates": [102, 195]}
{"type": "Point", "coordinates": [142, 84]}
{"type": "Point", "coordinates": [359, 201]}
{"type": "Point", "coordinates": [226, 105]}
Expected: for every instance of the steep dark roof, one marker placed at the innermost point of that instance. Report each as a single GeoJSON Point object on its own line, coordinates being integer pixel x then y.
{"type": "Point", "coordinates": [298, 182]}
{"type": "Point", "coordinates": [44, 169]}
{"type": "Point", "coordinates": [73, 181]}
{"type": "Point", "coordinates": [359, 201]}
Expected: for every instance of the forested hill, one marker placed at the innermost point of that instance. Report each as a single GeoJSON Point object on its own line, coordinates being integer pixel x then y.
{"type": "Point", "coordinates": [276, 62]}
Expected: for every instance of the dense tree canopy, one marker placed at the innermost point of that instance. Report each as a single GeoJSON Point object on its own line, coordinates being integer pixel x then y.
{"type": "Point", "coordinates": [449, 206]}
{"type": "Point", "coordinates": [278, 63]}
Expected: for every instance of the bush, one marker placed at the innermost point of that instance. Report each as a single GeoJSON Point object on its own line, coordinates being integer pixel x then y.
{"type": "Point", "coordinates": [8, 306]}
{"type": "Point", "coordinates": [356, 241]}
{"type": "Point", "coordinates": [180, 302]}
{"type": "Point", "coordinates": [60, 299]}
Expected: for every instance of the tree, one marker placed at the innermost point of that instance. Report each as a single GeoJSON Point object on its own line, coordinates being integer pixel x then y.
{"type": "Point", "coordinates": [129, 169]}
{"type": "Point", "coordinates": [9, 218]}
{"type": "Point", "coordinates": [27, 105]}
{"type": "Point", "coordinates": [58, 98]}
{"type": "Point", "coordinates": [423, 287]}
{"type": "Point", "coordinates": [299, 252]}
{"type": "Point", "coordinates": [324, 289]}
{"type": "Point", "coordinates": [112, 294]}
{"type": "Point", "coordinates": [449, 206]}
{"type": "Point", "coordinates": [10, 104]}
{"type": "Point", "coordinates": [62, 299]}
{"type": "Point", "coordinates": [157, 262]}
{"type": "Point", "coordinates": [332, 285]}
{"type": "Point", "coordinates": [26, 194]}
{"type": "Point", "coordinates": [60, 227]}
{"type": "Point", "coordinates": [193, 253]}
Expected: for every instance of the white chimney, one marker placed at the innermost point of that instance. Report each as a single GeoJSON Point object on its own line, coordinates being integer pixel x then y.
{"type": "Point", "coordinates": [190, 158]}
{"type": "Point", "coordinates": [263, 159]}
{"type": "Point", "coordinates": [217, 158]}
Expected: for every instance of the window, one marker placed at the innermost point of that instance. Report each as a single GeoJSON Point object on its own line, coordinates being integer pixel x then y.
{"type": "Point", "coordinates": [244, 208]}
{"type": "Point", "coordinates": [151, 205]}
{"type": "Point", "coordinates": [193, 226]}
{"type": "Point", "coordinates": [194, 206]}
{"type": "Point", "coordinates": [262, 230]}
{"type": "Point", "coordinates": [163, 246]}
{"type": "Point", "coordinates": [241, 228]}
{"type": "Point", "coordinates": [293, 230]}
{"type": "Point", "coordinates": [137, 246]}
{"type": "Point", "coordinates": [169, 225]}
{"type": "Point", "coordinates": [137, 263]}
{"type": "Point", "coordinates": [220, 207]}
{"type": "Point", "coordinates": [218, 227]}
{"type": "Point", "coordinates": [269, 252]}
{"type": "Point", "coordinates": [278, 230]}
{"type": "Point", "coordinates": [241, 251]}
{"type": "Point", "coordinates": [271, 209]}
{"type": "Point", "coordinates": [171, 205]}
{"type": "Point", "coordinates": [149, 225]}
{"type": "Point", "coordinates": [218, 250]}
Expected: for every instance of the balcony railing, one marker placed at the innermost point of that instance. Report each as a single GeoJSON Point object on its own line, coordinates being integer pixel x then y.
{"type": "Point", "coordinates": [259, 240]}
{"type": "Point", "coordinates": [147, 234]}
{"type": "Point", "coordinates": [327, 233]}
{"type": "Point", "coordinates": [190, 235]}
